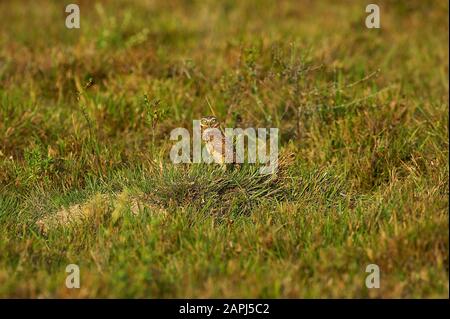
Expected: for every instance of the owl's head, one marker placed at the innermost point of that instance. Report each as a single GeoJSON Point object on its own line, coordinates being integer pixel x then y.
{"type": "Point", "coordinates": [209, 122]}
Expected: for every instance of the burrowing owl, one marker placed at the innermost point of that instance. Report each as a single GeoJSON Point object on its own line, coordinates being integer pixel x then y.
{"type": "Point", "coordinates": [216, 141]}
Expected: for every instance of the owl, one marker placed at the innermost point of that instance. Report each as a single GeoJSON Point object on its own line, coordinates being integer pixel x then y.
{"type": "Point", "coordinates": [216, 141]}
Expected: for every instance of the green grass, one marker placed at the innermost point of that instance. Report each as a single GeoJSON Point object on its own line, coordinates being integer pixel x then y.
{"type": "Point", "coordinates": [363, 120]}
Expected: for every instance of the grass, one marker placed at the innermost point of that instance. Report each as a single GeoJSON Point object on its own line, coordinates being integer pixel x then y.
{"type": "Point", "coordinates": [85, 117]}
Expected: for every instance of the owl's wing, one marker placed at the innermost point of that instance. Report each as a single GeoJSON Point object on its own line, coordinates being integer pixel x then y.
{"type": "Point", "coordinates": [228, 149]}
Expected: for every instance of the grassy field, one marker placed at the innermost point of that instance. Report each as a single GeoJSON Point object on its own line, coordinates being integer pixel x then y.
{"type": "Point", "coordinates": [86, 179]}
